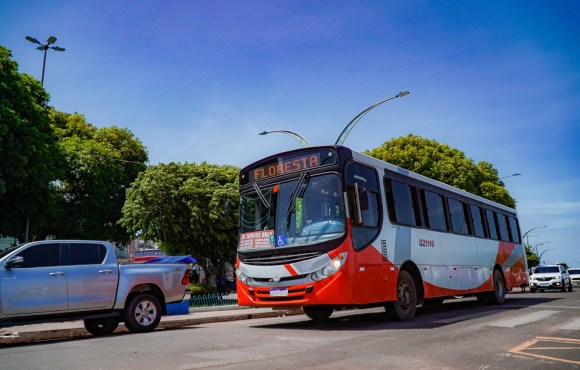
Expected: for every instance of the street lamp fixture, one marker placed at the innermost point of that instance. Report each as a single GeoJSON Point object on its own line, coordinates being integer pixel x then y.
{"type": "Point", "coordinates": [296, 136]}
{"type": "Point", "coordinates": [512, 175]}
{"type": "Point", "coordinates": [358, 117]}
{"type": "Point", "coordinates": [44, 47]}
{"type": "Point", "coordinates": [527, 232]}
{"type": "Point", "coordinates": [541, 254]}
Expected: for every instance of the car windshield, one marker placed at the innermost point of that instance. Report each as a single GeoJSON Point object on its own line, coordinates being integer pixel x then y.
{"type": "Point", "coordinates": [574, 271]}
{"type": "Point", "coordinates": [305, 210]}
{"type": "Point", "coordinates": [546, 269]}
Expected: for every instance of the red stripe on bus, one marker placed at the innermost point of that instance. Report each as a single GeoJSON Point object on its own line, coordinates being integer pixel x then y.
{"type": "Point", "coordinates": [291, 270]}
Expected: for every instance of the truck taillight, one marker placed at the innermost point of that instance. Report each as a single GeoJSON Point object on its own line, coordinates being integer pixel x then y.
{"type": "Point", "coordinates": [185, 278]}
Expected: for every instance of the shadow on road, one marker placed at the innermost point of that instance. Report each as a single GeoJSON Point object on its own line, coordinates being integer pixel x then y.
{"type": "Point", "coordinates": [450, 312]}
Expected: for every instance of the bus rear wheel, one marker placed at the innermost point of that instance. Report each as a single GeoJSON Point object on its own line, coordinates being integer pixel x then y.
{"type": "Point", "coordinates": [318, 313]}
{"type": "Point", "coordinates": [405, 306]}
{"type": "Point", "coordinates": [498, 294]}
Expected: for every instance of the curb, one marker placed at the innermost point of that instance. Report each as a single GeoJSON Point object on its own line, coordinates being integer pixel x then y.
{"type": "Point", "coordinates": [7, 337]}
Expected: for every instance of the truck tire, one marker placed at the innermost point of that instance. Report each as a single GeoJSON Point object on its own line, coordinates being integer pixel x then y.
{"type": "Point", "coordinates": [142, 313]}
{"type": "Point", "coordinates": [104, 326]}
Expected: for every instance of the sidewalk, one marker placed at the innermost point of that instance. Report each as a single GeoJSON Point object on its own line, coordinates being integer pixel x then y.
{"type": "Point", "coordinates": [75, 329]}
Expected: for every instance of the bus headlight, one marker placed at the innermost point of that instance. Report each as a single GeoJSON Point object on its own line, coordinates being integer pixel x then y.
{"type": "Point", "coordinates": [333, 266]}
{"type": "Point", "coordinates": [243, 278]}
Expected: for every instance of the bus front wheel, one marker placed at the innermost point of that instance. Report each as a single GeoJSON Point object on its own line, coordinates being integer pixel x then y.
{"type": "Point", "coordinates": [405, 306]}
{"type": "Point", "coordinates": [318, 313]}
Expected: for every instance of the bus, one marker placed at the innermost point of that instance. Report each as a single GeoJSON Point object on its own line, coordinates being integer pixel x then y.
{"type": "Point", "coordinates": [326, 228]}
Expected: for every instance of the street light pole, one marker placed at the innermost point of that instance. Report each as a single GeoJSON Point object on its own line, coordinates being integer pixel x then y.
{"type": "Point", "coordinates": [541, 254]}
{"type": "Point", "coordinates": [295, 135]}
{"type": "Point", "coordinates": [527, 232]}
{"type": "Point", "coordinates": [358, 117]}
{"type": "Point", "coordinates": [512, 175]}
{"type": "Point", "coordinates": [44, 47]}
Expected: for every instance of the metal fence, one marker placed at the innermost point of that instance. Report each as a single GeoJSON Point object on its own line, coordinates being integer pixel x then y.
{"type": "Point", "coordinates": [211, 300]}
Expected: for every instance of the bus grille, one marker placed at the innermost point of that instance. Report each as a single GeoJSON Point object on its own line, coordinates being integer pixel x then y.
{"type": "Point", "coordinates": [268, 260]}
{"type": "Point", "coordinates": [263, 295]}
{"type": "Point", "coordinates": [288, 278]}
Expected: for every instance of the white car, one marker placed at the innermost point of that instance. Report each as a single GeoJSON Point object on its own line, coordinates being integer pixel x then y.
{"type": "Point", "coordinates": [550, 277]}
{"type": "Point", "coordinates": [574, 273]}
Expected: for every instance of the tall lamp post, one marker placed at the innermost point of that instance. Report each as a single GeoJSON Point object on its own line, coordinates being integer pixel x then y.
{"type": "Point", "coordinates": [527, 232]}
{"type": "Point", "coordinates": [541, 254]}
{"type": "Point", "coordinates": [44, 47]}
{"type": "Point", "coordinates": [358, 117]}
{"type": "Point", "coordinates": [512, 175]}
{"type": "Point", "coordinates": [295, 135]}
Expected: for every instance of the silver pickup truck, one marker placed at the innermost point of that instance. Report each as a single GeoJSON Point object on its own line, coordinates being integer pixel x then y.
{"type": "Point", "coordinates": [64, 279]}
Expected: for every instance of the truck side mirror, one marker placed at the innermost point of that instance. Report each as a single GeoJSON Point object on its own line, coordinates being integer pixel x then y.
{"type": "Point", "coordinates": [14, 262]}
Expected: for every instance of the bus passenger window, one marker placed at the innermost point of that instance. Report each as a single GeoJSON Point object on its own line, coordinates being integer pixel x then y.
{"type": "Point", "coordinates": [477, 219]}
{"type": "Point", "coordinates": [402, 203]}
{"type": "Point", "coordinates": [490, 216]}
{"type": "Point", "coordinates": [503, 227]}
{"type": "Point", "coordinates": [434, 211]}
{"type": "Point", "coordinates": [458, 213]}
{"type": "Point", "coordinates": [514, 230]}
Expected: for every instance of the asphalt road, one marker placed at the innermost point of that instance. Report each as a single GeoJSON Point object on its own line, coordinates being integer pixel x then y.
{"type": "Point", "coordinates": [530, 331]}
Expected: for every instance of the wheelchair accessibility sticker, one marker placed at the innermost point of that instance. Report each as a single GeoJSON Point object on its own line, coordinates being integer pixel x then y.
{"type": "Point", "coordinates": [281, 240]}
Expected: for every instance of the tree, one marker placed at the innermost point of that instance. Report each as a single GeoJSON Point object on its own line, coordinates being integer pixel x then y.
{"type": "Point", "coordinates": [443, 163]}
{"type": "Point", "coordinates": [181, 206]}
{"type": "Point", "coordinates": [30, 158]}
{"type": "Point", "coordinates": [101, 163]}
{"type": "Point", "coordinates": [533, 259]}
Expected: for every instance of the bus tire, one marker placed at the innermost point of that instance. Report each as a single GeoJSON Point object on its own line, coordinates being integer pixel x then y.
{"type": "Point", "coordinates": [498, 294]}
{"type": "Point", "coordinates": [318, 313]}
{"type": "Point", "coordinates": [405, 306]}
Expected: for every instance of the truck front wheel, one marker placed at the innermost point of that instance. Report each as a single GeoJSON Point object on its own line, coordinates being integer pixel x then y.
{"type": "Point", "coordinates": [103, 326]}
{"type": "Point", "coordinates": [142, 313]}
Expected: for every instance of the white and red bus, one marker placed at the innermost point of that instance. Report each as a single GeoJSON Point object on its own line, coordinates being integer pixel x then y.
{"type": "Point", "coordinates": [324, 228]}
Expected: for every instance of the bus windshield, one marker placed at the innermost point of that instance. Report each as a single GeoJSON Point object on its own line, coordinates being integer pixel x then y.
{"type": "Point", "coordinates": [305, 210]}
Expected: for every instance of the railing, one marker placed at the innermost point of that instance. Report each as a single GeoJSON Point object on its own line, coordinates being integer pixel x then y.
{"type": "Point", "coordinates": [212, 300]}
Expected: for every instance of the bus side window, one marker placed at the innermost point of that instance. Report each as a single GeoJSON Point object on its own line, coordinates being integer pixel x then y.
{"type": "Point", "coordinates": [402, 203]}
{"type": "Point", "coordinates": [503, 227]}
{"type": "Point", "coordinates": [458, 211]}
{"type": "Point", "coordinates": [434, 211]}
{"type": "Point", "coordinates": [514, 230]}
{"type": "Point", "coordinates": [477, 218]}
{"type": "Point", "coordinates": [491, 224]}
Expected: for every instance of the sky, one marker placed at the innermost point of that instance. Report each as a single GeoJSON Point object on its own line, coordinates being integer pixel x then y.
{"type": "Point", "coordinates": [198, 80]}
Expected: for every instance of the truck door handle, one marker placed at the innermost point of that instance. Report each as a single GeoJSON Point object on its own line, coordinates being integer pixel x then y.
{"type": "Point", "coordinates": [58, 273]}
{"type": "Point", "coordinates": [105, 271]}
{"type": "Point", "coordinates": [178, 269]}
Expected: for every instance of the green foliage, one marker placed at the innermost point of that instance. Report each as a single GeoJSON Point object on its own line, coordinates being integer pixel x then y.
{"type": "Point", "coordinates": [101, 164]}
{"type": "Point", "coordinates": [443, 163]}
{"type": "Point", "coordinates": [30, 159]}
{"type": "Point", "coordinates": [201, 289]}
{"type": "Point", "coordinates": [533, 259]}
{"type": "Point", "coordinates": [182, 207]}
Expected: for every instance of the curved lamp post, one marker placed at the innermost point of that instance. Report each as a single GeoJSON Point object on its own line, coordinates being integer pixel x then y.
{"type": "Point", "coordinates": [512, 175]}
{"type": "Point", "coordinates": [44, 47]}
{"type": "Point", "coordinates": [541, 254]}
{"type": "Point", "coordinates": [527, 232]}
{"type": "Point", "coordinates": [296, 136]}
{"type": "Point", "coordinates": [358, 117]}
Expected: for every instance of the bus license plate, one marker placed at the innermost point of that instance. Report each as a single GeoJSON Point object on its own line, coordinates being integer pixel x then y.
{"type": "Point", "coordinates": [279, 292]}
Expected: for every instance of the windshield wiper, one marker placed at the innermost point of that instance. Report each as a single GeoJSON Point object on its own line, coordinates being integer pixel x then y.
{"type": "Point", "coordinates": [298, 192]}
{"type": "Point", "coordinates": [261, 195]}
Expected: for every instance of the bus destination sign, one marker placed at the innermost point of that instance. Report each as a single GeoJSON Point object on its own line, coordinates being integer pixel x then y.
{"type": "Point", "coordinates": [284, 166]}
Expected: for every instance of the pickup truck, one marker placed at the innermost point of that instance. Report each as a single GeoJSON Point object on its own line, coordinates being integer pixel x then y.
{"type": "Point", "coordinates": [64, 279]}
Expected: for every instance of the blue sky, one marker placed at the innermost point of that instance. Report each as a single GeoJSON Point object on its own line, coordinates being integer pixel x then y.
{"type": "Point", "coordinates": [197, 80]}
